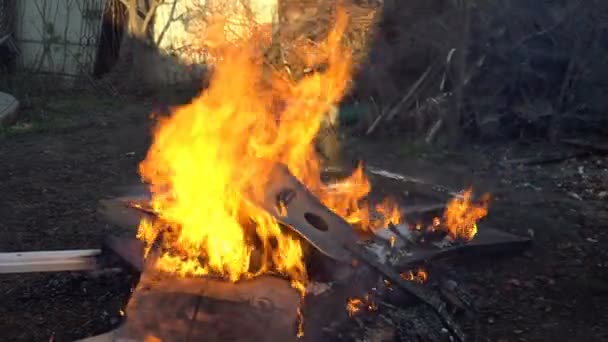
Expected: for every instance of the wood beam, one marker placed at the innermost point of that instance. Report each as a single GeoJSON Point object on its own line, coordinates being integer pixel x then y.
{"type": "Point", "coordinates": [48, 261]}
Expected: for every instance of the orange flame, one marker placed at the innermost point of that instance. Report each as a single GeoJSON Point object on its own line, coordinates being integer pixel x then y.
{"type": "Point", "coordinates": [344, 198]}
{"type": "Point", "coordinates": [461, 215]}
{"type": "Point", "coordinates": [211, 159]}
{"type": "Point", "coordinates": [353, 306]}
{"type": "Point", "coordinates": [420, 276]}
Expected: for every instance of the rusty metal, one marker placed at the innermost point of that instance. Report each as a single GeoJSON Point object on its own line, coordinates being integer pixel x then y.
{"type": "Point", "coordinates": [290, 202]}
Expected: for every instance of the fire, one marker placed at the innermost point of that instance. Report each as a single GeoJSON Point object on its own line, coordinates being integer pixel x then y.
{"type": "Point", "coordinates": [419, 276]}
{"type": "Point", "coordinates": [211, 159]}
{"type": "Point", "coordinates": [388, 212]}
{"type": "Point", "coordinates": [461, 215]}
{"type": "Point", "coordinates": [354, 305]}
{"type": "Point", "coordinates": [344, 198]}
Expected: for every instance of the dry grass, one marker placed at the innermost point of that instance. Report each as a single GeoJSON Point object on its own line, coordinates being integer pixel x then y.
{"type": "Point", "coordinates": [305, 23]}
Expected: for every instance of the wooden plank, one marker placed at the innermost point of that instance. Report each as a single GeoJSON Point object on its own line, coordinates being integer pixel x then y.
{"type": "Point", "coordinates": [171, 308]}
{"type": "Point", "coordinates": [48, 261]}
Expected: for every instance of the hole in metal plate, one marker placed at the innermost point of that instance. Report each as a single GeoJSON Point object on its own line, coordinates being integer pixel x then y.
{"type": "Point", "coordinates": [316, 221]}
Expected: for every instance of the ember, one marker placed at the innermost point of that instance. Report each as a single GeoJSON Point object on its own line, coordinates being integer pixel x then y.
{"type": "Point", "coordinates": [354, 305]}
{"type": "Point", "coordinates": [419, 276]}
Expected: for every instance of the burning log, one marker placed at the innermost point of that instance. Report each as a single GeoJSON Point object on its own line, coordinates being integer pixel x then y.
{"type": "Point", "coordinates": [205, 309]}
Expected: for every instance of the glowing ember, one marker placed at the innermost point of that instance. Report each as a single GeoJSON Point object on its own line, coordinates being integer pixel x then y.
{"type": "Point", "coordinates": [420, 276]}
{"type": "Point", "coordinates": [300, 322]}
{"type": "Point", "coordinates": [211, 159]}
{"type": "Point", "coordinates": [392, 240]}
{"type": "Point", "coordinates": [354, 305]}
{"type": "Point", "coordinates": [462, 214]}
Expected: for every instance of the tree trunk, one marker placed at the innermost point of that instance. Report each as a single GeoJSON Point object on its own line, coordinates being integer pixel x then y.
{"type": "Point", "coordinates": [136, 44]}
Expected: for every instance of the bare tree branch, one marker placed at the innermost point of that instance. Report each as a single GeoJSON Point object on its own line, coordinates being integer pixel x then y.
{"type": "Point", "coordinates": [150, 14]}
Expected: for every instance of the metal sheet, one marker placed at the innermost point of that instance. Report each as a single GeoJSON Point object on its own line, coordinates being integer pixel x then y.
{"type": "Point", "coordinates": [291, 203]}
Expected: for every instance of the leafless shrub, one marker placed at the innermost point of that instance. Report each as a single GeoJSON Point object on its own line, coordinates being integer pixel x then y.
{"type": "Point", "coordinates": [529, 67]}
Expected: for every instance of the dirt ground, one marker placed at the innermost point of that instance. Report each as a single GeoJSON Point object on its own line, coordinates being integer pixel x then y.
{"type": "Point", "coordinates": [70, 153]}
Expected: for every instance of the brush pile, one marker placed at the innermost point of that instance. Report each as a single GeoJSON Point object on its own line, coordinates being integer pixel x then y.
{"type": "Point", "coordinates": [304, 23]}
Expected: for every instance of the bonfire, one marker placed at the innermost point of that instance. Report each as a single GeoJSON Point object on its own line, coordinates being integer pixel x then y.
{"type": "Point", "coordinates": [211, 162]}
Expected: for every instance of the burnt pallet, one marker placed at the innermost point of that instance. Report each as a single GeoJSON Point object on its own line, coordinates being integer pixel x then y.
{"type": "Point", "coordinates": [487, 241]}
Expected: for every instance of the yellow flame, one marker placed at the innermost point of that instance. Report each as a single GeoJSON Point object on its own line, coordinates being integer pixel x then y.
{"type": "Point", "coordinates": [344, 198]}
{"type": "Point", "coordinates": [462, 214]}
{"type": "Point", "coordinates": [211, 159]}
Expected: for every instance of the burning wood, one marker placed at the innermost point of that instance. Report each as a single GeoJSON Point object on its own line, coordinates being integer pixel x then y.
{"type": "Point", "coordinates": [461, 216]}
{"type": "Point", "coordinates": [211, 160]}
{"type": "Point", "coordinates": [219, 218]}
{"type": "Point", "coordinates": [326, 300]}
{"type": "Point", "coordinates": [206, 309]}
{"type": "Point", "coordinates": [419, 276]}
{"type": "Point", "coordinates": [355, 305]}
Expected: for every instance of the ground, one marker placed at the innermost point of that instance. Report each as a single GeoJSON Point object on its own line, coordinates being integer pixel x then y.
{"type": "Point", "coordinates": [68, 153]}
